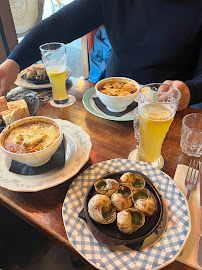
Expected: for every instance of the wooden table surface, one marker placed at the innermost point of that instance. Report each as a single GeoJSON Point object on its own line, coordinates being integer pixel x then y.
{"type": "Point", "coordinates": [110, 139]}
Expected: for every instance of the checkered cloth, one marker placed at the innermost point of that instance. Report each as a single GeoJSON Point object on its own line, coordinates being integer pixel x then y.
{"type": "Point", "coordinates": [161, 253]}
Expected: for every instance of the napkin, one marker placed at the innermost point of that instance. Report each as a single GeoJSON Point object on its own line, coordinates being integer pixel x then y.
{"type": "Point", "coordinates": [57, 159]}
{"type": "Point", "coordinates": [189, 255]}
{"type": "Point", "coordinates": [104, 109]}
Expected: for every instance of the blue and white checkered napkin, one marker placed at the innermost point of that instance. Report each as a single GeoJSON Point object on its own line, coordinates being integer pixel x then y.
{"type": "Point", "coordinates": [161, 253]}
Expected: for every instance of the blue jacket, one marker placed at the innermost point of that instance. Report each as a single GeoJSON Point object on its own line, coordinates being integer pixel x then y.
{"type": "Point", "coordinates": [99, 55]}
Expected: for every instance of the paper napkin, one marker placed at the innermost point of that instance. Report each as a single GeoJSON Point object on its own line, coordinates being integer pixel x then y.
{"type": "Point", "coordinates": [57, 159]}
{"type": "Point", "coordinates": [190, 252]}
{"type": "Point", "coordinates": [104, 109]}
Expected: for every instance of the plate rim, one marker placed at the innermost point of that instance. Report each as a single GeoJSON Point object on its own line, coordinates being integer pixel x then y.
{"type": "Point", "coordinates": [65, 177]}
{"type": "Point", "coordinates": [86, 102]}
{"type": "Point", "coordinates": [86, 255]}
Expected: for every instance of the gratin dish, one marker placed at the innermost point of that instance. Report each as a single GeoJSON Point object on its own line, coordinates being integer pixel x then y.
{"type": "Point", "coordinates": [37, 158]}
{"type": "Point", "coordinates": [116, 103]}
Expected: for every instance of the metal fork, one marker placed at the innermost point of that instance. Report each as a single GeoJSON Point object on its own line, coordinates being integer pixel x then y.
{"type": "Point", "coordinates": [192, 176]}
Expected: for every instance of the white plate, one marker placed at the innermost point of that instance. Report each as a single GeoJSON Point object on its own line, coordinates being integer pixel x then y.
{"type": "Point", "coordinates": [20, 82]}
{"type": "Point", "coordinates": [90, 105]}
{"type": "Point", "coordinates": [160, 253]}
{"type": "Point", "coordinates": [77, 149]}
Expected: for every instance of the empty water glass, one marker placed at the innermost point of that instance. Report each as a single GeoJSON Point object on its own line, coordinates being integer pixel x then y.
{"type": "Point", "coordinates": [191, 135]}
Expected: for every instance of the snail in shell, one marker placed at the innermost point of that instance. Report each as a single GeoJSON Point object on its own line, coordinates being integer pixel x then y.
{"type": "Point", "coordinates": [144, 201]}
{"type": "Point", "coordinates": [122, 199]}
{"type": "Point", "coordinates": [133, 180]}
{"type": "Point", "coordinates": [101, 209]}
{"type": "Point", "coordinates": [130, 220]}
{"type": "Point", "coordinates": [41, 74]}
{"type": "Point", "coordinates": [31, 73]}
{"type": "Point", "coordinates": [36, 73]}
{"type": "Point", "coordinates": [106, 186]}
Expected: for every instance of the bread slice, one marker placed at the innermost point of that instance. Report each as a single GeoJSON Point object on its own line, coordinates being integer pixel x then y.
{"type": "Point", "coordinates": [21, 103]}
{"type": "Point", "coordinates": [4, 113]}
{"type": "Point", "coordinates": [3, 104]}
{"type": "Point", "coordinates": [9, 116]}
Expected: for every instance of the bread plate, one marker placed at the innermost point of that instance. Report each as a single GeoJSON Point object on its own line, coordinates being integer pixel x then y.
{"type": "Point", "coordinates": [21, 81]}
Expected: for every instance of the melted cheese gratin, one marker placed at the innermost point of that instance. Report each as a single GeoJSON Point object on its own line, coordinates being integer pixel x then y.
{"type": "Point", "coordinates": [31, 137]}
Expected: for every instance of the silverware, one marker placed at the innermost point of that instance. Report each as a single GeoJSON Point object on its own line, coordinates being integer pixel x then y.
{"type": "Point", "coordinates": [200, 238]}
{"type": "Point", "coordinates": [192, 176]}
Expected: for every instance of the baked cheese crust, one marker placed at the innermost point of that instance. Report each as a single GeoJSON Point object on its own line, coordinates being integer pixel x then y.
{"type": "Point", "coordinates": [31, 137]}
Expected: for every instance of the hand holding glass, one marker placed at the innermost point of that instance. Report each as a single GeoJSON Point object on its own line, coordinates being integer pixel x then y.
{"type": "Point", "coordinates": [54, 59]}
{"type": "Point", "coordinates": [157, 106]}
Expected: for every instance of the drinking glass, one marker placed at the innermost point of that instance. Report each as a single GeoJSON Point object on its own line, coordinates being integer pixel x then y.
{"type": "Point", "coordinates": [191, 135]}
{"type": "Point", "coordinates": [156, 108]}
{"type": "Point", "coordinates": [54, 59]}
{"type": "Point", "coordinates": [136, 126]}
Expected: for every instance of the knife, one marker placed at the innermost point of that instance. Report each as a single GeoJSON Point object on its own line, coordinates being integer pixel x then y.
{"type": "Point", "coordinates": [200, 239]}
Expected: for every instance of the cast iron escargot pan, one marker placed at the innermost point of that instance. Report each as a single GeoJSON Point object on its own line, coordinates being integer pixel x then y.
{"type": "Point", "coordinates": [109, 234]}
{"type": "Point", "coordinates": [34, 81]}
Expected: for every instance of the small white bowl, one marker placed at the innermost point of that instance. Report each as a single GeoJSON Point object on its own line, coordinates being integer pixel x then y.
{"type": "Point", "coordinates": [116, 103]}
{"type": "Point", "coordinates": [37, 158]}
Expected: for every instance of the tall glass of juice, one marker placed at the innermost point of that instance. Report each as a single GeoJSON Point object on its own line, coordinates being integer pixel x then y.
{"type": "Point", "coordinates": [54, 59]}
{"type": "Point", "coordinates": [156, 108]}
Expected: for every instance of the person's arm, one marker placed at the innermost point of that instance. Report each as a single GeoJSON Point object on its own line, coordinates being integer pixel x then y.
{"type": "Point", "coordinates": [8, 74]}
{"type": "Point", "coordinates": [71, 22]}
{"type": "Point", "coordinates": [195, 84]}
{"type": "Point", "coordinates": [191, 90]}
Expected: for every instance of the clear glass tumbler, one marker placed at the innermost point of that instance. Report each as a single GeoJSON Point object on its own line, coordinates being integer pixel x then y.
{"type": "Point", "coordinates": [191, 135]}
{"type": "Point", "coordinates": [54, 59]}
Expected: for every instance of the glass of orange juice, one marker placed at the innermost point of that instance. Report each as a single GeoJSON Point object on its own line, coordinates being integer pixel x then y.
{"type": "Point", "coordinates": [156, 109]}
{"type": "Point", "coordinates": [54, 59]}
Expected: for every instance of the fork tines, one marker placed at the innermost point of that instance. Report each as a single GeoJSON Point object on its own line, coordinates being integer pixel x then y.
{"type": "Point", "coordinates": [192, 176]}
{"type": "Point", "coordinates": [194, 168]}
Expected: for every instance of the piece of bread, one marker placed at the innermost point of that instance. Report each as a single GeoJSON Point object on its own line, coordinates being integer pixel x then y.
{"type": "Point", "coordinates": [19, 104]}
{"type": "Point", "coordinates": [9, 116]}
{"type": "Point", "coordinates": [3, 104]}
{"type": "Point", "coordinates": [4, 113]}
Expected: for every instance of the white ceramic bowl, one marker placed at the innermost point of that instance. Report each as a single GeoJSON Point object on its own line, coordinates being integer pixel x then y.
{"type": "Point", "coordinates": [37, 158]}
{"type": "Point", "coordinates": [116, 103]}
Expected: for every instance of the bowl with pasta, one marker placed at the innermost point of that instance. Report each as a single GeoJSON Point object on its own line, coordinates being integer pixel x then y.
{"type": "Point", "coordinates": [117, 93]}
{"type": "Point", "coordinates": [31, 140]}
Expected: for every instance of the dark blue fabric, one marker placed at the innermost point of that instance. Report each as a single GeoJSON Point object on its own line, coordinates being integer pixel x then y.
{"type": "Point", "coordinates": [197, 106]}
{"type": "Point", "coordinates": [151, 41]}
{"type": "Point", "coordinates": [99, 55]}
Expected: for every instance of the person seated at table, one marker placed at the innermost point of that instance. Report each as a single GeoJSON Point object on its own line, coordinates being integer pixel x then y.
{"type": "Point", "coordinates": [152, 41]}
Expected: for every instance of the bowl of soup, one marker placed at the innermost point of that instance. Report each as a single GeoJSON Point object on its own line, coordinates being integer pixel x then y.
{"type": "Point", "coordinates": [32, 140]}
{"type": "Point", "coordinates": [117, 93]}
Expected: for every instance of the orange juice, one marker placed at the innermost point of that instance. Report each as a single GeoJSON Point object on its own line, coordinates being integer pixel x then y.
{"type": "Point", "coordinates": [154, 122]}
{"type": "Point", "coordinates": [57, 76]}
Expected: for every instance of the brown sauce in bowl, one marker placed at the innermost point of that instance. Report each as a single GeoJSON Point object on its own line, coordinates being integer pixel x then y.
{"type": "Point", "coordinates": [117, 88]}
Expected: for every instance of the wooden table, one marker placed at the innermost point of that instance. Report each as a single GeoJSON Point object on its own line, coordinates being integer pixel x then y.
{"type": "Point", "coordinates": [110, 139]}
